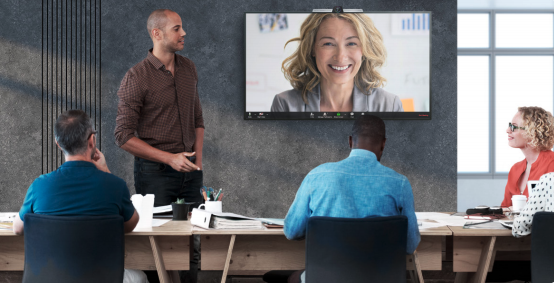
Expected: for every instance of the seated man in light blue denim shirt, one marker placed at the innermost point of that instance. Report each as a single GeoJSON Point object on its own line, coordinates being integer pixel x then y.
{"type": "Point", "coordinates": [356, 187]}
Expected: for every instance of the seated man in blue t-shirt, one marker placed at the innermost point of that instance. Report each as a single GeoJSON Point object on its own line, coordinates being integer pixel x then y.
{"type": "Point", "coordinates": [83, 185]}
{"type": "Point", "coordinates": [356, 187]}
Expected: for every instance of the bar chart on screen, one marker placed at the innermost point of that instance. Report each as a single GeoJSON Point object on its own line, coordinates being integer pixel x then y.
{"type": "Point", "coordinates": [411, 24]}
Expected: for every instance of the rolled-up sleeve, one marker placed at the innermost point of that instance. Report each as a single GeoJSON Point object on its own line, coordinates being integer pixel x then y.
{"type": "Point", "coordinates": [409, 211]}
{"type": "Point", "coordinates": [130, 104]}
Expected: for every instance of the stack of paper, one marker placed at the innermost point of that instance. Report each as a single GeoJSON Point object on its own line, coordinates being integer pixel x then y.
{"type": "Point", "coordinates": [165, 211]}
{"type": "Point", "coordinates": [6, 225]}
{"type": "Point", "coordinates": [443, 219]}
{"type": "Point", "coordinates": [273, 222]}
{"type": "Point", "coordinates": [235, 223]}
{"type": "Point", "coordinates": [484, 225]}
{"type": "Point", "coordinates": [6, 220]}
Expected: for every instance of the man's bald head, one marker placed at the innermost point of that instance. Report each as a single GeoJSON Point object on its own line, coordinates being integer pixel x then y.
{"type": "Point", "coordinates": [369, 133]}
{"type": "Point", "coordinates": [157, 20]}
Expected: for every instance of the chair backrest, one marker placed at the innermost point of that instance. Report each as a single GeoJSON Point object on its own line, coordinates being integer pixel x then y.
{"type": "Point", "coordinates": [73, 248]}
{"type": "Point", "coordinates": [542, 247]}
{"type": "Point", "coordinates": [356, 249]}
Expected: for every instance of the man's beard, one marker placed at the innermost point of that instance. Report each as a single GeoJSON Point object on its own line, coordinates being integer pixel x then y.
{"type": "Point", "coordinates": [172, 47]}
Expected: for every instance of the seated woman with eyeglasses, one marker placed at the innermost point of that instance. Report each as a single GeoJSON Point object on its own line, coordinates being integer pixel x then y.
{"type": "Point", "coordinates": [532, 131]}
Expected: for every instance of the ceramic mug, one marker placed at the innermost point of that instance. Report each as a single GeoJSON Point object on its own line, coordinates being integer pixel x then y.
{"type": "Point", "coordinates": [212, 206]}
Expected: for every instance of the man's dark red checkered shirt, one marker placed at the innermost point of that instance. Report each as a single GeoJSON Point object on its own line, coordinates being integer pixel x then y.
{"type": "Point", "coordinates": [158, 108]}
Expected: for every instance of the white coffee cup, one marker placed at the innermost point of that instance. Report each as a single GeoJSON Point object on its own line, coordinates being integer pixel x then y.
{"type": "Point", "coordinates": [212, 206]}
{"type": "Point", "coordinates": [144, 206]}
{"type": "Point", "coordinates": [519, 202]}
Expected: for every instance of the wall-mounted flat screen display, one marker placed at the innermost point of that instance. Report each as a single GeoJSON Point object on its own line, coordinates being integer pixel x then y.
{"type": "Point", "coordinates": [322, 66]}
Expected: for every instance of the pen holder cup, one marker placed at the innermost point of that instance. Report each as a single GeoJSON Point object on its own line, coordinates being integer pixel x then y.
{"type": "Point", "coordinates": [181, 211]}
{"type": "Point", "coordinates": [212, 206]}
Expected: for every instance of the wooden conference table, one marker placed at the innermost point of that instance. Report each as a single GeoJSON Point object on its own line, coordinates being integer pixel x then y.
{"type": "Point", "coordinates": [256, 251]}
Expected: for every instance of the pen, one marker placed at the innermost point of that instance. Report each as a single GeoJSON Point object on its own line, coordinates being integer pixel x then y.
{"type": "Point", "coordinates": [479, 223]}
{"type": "Point", "coordinates": [203, 193]}
{"type": "Point", "coordinates": [217, 196]}
{"type": "Point", "coordinates": [220, 197]}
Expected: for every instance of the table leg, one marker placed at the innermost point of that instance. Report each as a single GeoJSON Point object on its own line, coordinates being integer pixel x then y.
{"type": "Point", "coordinates": [485, 260]}
{"type": "Point", "coordinates": [412, 276]}
{"type": "Point", "coordinates": [228, 260]}
{"type": "Point", "coordinates": [461, 277]}
{"type": "Point", "coordinates": [418, 267]}
{"type": "Point", "coordinates": [160, 266]}
{"type": "Point", "coordinates": [174, 275]}
{"type": "Point", "coordinates": [484, 265]}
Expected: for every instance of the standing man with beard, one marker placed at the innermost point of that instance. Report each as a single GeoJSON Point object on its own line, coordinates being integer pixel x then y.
{"type": "Point", "coordinates": [159, 119]}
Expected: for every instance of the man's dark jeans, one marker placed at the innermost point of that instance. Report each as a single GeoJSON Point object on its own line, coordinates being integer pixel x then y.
{"type": "Point", "coordinates": [167, 185]}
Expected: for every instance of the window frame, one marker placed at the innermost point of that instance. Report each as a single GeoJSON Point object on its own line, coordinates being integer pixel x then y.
{"type": "Point", "coordinates": [492, 52]}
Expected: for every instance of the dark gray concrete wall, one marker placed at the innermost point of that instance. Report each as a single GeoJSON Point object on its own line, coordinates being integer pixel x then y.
{"type": "Point", "coordinates": [260, 164]}
{"type": "Point", "coordinates": [20, 100]}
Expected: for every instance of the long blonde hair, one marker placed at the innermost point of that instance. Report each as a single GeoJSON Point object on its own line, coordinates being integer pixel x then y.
{"type": "Point", "coordinates": [539, 125]}
{"type": "Point", "coordinates": [300, 68]}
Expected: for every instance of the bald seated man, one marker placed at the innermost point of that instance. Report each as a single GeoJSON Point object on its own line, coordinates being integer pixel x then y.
{"type": "Point", "coordinates": [335, 185]}
{"type": "Point", "coordinates": [159, 121]}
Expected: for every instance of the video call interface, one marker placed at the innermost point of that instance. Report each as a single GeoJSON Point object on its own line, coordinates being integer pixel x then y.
{"type": "Point", "coordinates": [388, 65]}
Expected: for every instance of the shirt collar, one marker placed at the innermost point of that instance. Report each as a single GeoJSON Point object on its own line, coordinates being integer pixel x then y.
{"type": "Point", "coordinates": [522, 165]}
{"type": "Point", "coordinates": [540, 158]}
{"type": "Point", "coordinates": [154, 61]}
{"type": "Point", "coordinates": [363, 153]}
{"type": "Point", "coordinates": [72, 164]}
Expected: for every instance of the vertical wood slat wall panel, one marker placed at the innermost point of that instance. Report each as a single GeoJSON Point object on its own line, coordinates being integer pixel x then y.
{"type": "Point", "coordinates": [71, 68]}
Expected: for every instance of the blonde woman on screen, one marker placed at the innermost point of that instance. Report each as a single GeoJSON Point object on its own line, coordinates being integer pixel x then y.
{"type": "Point", "coordinates": [335, 67]}
{"type": "Point", "coordinates": [532, 131]}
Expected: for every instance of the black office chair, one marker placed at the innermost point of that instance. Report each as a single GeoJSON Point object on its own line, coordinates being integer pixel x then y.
{"type": "Point", "coordinates": [542, 247]}
{"type": "Point", "coordinates": [353, 250]}
{"type": "Point", "coordinates": [73, 248]}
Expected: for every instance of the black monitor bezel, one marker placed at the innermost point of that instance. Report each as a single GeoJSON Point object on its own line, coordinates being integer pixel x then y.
{"type": "Point", "coordinates": [306, 115]}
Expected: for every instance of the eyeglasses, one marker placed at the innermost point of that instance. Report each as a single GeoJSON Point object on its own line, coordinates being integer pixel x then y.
{"type": "Point", "coordinates": [92, 133]}
{"type": "Point", "coordinates": [513, 128]}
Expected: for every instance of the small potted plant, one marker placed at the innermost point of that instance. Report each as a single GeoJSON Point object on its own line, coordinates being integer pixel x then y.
{"type": "Point", "coordinates": [181, 209]}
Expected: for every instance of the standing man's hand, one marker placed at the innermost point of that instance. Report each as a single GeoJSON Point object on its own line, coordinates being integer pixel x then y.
{"type": "Point", "coordinates": [100, 161]}
{"type": "Point", "coordinates": [180, 163]}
